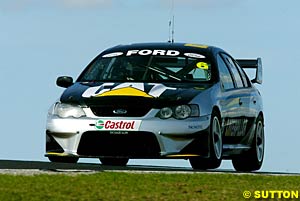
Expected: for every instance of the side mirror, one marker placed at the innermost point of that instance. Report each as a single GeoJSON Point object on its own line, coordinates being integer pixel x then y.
{"type": "Point", "coordinates": [64, 81]}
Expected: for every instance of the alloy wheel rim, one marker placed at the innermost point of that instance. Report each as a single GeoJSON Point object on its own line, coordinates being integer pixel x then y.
{"type": "Point", "coordinates": [217, 138]}
{"type": "Point", "coordinates": [260, 142]}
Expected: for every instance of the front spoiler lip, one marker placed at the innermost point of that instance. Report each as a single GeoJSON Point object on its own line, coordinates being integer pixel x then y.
{"type": "Point", "coordinates": [60, 154]}
{"type": "Point", "coordinates": [166, 156]}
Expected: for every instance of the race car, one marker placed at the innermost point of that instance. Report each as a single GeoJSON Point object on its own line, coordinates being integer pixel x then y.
{"type": "Point", "coordinates": [160, 101]}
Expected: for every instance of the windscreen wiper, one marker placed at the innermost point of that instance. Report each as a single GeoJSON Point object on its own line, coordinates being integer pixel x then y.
{"type": "Point", "coordinates": [162, 72]}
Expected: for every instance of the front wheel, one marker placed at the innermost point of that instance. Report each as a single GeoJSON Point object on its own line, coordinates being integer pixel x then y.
{"type": "Point", "coordinates": [252, 159]}
{"type": "Point", "coordinates": [63, 159]}
{"type": "Point", "coordinates": [215, 145]}
{"type": "Point", "coordinates": [114, 161]}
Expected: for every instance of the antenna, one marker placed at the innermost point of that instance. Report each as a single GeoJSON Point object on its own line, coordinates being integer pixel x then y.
{"type": "Point", "coordinates": [171, 24]}
{"type": "Point", "coordinates": [173, 30]}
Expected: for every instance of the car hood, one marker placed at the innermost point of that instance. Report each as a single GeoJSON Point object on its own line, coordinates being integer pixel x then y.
{"type": "Point", "coordinates": [156, 94]}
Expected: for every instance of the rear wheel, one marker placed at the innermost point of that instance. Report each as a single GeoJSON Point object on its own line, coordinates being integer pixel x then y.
{"type": "Point", "coordinates": [215, 144]}
{"type": "Point", "coordinates": [252, 159]}
{"type": "Point", "coordinates": [63, 159]}
{"type": "Point", "coordinates": [114, 161]}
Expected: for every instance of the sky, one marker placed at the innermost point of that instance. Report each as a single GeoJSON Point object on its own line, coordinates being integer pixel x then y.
{"type": "Point", "coordinates": [41, 40]}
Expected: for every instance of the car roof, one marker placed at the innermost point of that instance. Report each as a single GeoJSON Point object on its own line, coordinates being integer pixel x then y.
{"type": "Point", "coordinates": [166, 46]}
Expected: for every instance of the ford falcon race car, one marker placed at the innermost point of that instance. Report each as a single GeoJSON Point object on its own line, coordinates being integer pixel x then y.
{"type": "Point", "coordinates": [160, 101]}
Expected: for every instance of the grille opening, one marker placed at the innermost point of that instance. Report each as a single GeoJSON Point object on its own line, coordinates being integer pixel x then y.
{"type": "Point", "coordinates": [110, 111]}
{"type": "Point", "coordinates": [132, 145]}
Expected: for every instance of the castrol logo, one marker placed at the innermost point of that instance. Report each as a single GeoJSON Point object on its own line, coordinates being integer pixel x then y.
{"type": "Point", "coordinates": [124, 125]}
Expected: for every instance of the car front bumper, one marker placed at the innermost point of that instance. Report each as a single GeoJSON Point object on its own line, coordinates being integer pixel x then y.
{"type": "Point", "coordinates": [150, 138]}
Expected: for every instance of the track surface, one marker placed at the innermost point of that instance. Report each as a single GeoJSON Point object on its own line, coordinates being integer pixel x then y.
{"type": "Point", "coordinates": [37, 167]}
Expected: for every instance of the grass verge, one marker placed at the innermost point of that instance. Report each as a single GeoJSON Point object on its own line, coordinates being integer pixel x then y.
{"type": "Point", "coordinates": [128, 186]}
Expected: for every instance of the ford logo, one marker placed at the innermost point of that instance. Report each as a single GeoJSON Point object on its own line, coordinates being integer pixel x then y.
{"type": "Point", "coordinates": [120, 111]}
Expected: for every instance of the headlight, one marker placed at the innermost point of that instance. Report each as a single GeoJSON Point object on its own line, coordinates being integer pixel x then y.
{"type": "Point", "coordinates": [66, 110]}
{"type": "Point", "coordinates": [165, 113]}
{"type": "Point", "coordinates": [179, 112]}
{"type": "Point", "coordinates": [182, 112]}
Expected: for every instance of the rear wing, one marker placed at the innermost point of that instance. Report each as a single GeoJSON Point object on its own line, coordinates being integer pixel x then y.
{"type": "Point", "coordinates": [254, 64]}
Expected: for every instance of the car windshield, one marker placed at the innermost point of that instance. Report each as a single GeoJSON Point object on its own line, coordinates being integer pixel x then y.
{"type": "Point", "coordinates": [150, 68]}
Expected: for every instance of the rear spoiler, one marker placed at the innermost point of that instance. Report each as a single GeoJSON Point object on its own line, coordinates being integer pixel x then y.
{"type": "Point", "coordinates": [253, 63]}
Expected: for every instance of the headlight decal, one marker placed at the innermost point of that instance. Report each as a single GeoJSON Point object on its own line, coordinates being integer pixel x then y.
{"type": "Point", "coordinates": [67, 110]}
{"type": "Point", "coordinates": [182, 112]}
{"type": "Point", "coordinates": [165, 113]}
{"type": "Point", "coordinates": [179, 112]}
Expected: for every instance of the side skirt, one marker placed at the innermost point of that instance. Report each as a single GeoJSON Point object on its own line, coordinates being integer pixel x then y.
{"type": "Point", "coordinates": [230, 150]}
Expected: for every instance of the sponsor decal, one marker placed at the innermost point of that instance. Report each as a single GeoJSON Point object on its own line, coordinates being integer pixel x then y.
{"type": "Point", "coordinates": [235, 127]}
{"type": "Point", "coordinates": [195, 127]}
{"type": "Point", "coordinates": [127, 89]}
{"type": "Point", "coordinates": [117, 125]}
{"type": "Point", "coordinates": [114, 54]}
{"type": "Point", "coordinates": [153, 52]}
{"type": "Point", "coordinates": [99, 124]}
{"type": "Point", "coordinates": [194, 55]}
{"type": "Point", "coordinates": [195, 45]}
{"type": "Point", "coordinates": [202, 65]}
{"type": "Point", "coordinates": [118, 132]}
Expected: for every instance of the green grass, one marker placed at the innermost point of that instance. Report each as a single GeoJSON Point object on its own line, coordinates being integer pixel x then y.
{"type": "Point", "coordinates": [129, 186]}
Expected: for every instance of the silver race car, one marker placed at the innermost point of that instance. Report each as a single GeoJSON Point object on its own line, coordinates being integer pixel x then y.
{"type": "Point", "coordinates": [160, 101]}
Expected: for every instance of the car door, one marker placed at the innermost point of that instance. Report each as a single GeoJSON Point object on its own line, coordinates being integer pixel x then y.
{"type": "Point", "coordinates": [234, 100]}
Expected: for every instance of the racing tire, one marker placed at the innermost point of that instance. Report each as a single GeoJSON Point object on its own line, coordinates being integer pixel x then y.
{"type": "Point", "coordinates": [63, 159]}
{"type": "Point", "coordinates": [114, 161]}
{"type": "Point", "coordinates": [215, 146]}
{"type": "Point", "coordinates": [252, 160]}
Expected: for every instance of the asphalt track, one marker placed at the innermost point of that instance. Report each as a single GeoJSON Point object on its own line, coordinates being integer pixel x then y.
{"type": "Point", "coordinates": [40, 167]}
